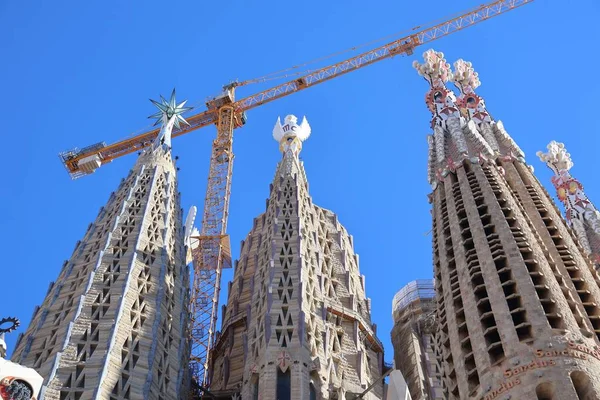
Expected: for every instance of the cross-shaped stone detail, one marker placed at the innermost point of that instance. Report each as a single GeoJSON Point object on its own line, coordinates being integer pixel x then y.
{"type": "Point", "coordinates": [284, 360]}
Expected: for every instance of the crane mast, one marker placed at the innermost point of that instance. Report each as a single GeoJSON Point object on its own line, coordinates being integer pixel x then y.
{"type": "Point", "coordinates": [213, 251]}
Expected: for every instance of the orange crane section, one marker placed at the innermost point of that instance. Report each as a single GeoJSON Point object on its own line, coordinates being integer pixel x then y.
{"type": "Point", "coordinates": [85, 161]}
{"type": "Point", "coordinates": [212, 253]}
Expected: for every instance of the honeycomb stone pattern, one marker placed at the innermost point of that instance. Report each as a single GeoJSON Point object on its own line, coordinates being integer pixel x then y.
{"type": "Point", "coordinates": [113, 325]}
{"type": "Point", "coordinates": [296, 274]}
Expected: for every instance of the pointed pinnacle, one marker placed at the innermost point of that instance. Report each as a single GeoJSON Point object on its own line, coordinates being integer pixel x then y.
{"type": "Point", "coordinates": [172, 100]}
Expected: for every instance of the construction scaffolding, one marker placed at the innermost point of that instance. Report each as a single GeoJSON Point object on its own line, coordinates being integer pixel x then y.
{"type": "Point", "coordinates": [412, 295]}
{"type": "Point", "coordinates": [413, 310]}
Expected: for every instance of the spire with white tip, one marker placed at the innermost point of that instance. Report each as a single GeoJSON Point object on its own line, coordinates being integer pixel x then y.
{"type": "Point", "coordinates": [290, 135]}
{"type": "Point", "coordinates": [462, 127]}
{"type": "Point", "coordinates": [472, 106]}
{"type": "Point", "coordinates": [580, 213]}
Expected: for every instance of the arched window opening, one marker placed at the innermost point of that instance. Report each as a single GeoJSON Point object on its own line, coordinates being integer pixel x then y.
{"type": "Point", "coordinates": [255, 383]}
{"type": "Point", "coordinates": [284, 387]}
{"type": "Point", "coordinates": [545, 391]}
{"type": "Point", "coordinates": [582, 385]}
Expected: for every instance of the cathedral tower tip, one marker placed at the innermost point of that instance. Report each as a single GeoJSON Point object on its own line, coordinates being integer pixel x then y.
{"type": "Point", "coordinates": [290, 135]}
{"type": "Point", "coordinates": [439, 99]}
{"type": "Point", "coordinates": [471, 105]}
{"type": "Point", "coordinates": [580, 212]}
{"type": "Point", "coordinates": [557, 158]}
{"type": "Point", "coordinates": [169, 115]}
{"type": "Point", "coordinates": [462, 127]}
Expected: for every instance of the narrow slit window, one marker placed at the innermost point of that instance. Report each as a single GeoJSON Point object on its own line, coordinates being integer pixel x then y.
{"type": "Point", "coordinates": [284, 388]}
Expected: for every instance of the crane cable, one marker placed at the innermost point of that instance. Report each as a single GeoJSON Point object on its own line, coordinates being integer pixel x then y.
{"type": "Point", "coordinates": [270, 77]}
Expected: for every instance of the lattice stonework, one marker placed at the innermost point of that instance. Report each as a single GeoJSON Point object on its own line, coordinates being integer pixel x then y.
{"type": "Point", "coordinates": [113, 325]}
{"type": "Point", "coordinates": [297, 303]}
{"type": "Point", "coordinates": [516, 295]}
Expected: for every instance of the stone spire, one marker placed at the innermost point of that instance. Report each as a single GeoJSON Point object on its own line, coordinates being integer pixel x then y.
{"type": "Point", "coordinates": [495, 138]}
{"type": "Point", "coordinates": [580, 213]}
{"type": "Point", "coordinates": [114, 324]}
{"type": "Point", "coordinates": [297, 323]}
{"type": "Point", "coordinates": [463, 128]}
{"type": "Point", "coordinates": [518, 302]}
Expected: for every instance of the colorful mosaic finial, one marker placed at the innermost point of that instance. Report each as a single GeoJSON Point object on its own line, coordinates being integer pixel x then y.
{"type": "Point", "coordinates": [462, 128]}
{"type": "Point", "coordinates": [435, 69]}
{"type": "Point", "coordinates": [556, 158]}
{"type": "Point", "coordinates": [169, 114]}
{"type": "Point", "coordinates": [465, 76]}
{"type": "Point", "coordinates": [580, 213]}
{"type": "Point", "coordinates": [472, 107]}
{"type": "Point", "coordinates": [568, 189]}
{"type": "Point", "coordinates": [290, 135]}
{"type": "Point", "coordinates": [439, 99]}
{"type": "Point", "coordinates": [467, 80]}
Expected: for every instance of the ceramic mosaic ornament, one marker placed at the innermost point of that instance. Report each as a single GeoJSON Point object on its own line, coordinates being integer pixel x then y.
{"type": "Point", "coordinates": [580, 212]}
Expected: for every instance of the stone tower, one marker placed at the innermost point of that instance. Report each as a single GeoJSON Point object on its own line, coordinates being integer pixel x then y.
{"type": "Point", "coordinates": [580, 213]}
{"type": "Point", "coordinates": [297, 322]}
{"type": "Point", "coordinates": [518, 301]}
{"type": "Point", "coordinates": [413, 311]}
{"type": "Point", "coordinates": [113, 325]}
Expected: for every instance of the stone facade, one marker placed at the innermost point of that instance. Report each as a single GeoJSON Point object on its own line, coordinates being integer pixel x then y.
{"type": "Point", "coordinates": [413, 340]}
{"type": "Point", "coordinates": [297, 322]}
{"type": "Point", "coordinates": [113, 325]}
{"type": "Point", "coordinates": [518, 301]}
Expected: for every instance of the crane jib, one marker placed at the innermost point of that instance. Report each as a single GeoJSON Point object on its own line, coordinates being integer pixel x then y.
{"type": "Point", "coordinates": [74, 159]}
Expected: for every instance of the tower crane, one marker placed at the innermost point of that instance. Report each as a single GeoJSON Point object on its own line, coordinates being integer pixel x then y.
{"type": "Point", "coordinates": [212, 252]}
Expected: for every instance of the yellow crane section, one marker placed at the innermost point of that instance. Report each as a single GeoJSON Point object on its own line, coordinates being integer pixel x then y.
{"type": "Point", "coordinates": [80, 162]}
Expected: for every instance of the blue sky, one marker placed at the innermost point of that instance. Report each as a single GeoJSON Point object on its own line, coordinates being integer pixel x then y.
{"type": "Point", "coordinates": [75, 73]}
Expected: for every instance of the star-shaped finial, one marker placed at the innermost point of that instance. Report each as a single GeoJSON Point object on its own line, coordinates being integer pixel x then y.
{"type": "Point", "coordinates": [170, 109]}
